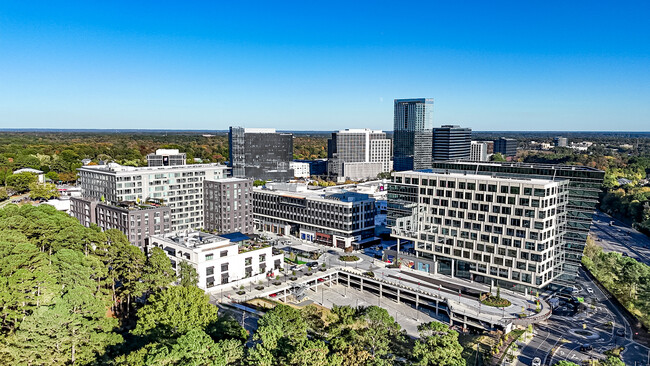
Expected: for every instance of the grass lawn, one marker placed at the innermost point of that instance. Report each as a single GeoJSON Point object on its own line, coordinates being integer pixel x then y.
{"type": "Point", "coordinates": [297, 261]}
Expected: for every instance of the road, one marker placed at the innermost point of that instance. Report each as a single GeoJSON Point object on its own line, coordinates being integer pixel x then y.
{"type": "Point", "coordinates": [620, 237]}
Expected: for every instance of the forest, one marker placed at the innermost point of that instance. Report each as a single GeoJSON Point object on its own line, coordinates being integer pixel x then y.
{"type": "Point", "coordinates": [71, 295]}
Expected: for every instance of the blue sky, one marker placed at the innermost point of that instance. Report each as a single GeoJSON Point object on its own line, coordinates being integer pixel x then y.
{"type": "Point", "coordinates": [308, 65]}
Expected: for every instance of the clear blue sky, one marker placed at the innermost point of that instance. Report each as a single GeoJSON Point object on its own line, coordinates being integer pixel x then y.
{"type": "Point", "coordinates": [324, 65]}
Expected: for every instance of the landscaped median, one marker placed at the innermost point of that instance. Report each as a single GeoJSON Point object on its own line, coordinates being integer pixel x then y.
{"type": "Point", "coordinates": [349, 258]}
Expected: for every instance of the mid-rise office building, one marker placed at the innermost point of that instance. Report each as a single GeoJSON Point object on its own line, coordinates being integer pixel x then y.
{"type": "Point", "coordinates": [180, 187]}
{"type": "Point", "coordinates": [451, 142]}
{"type": "Point", "coordinates": [300, 169]}
{"type": "Point", "coordinates": [228, 205]}
{"type": "Point", "coordinates": [505, 146]}
{"type": "Point", "coordinates": [166, 157]}
{"type": "Point", "coordinates": [478, 151]}
{"type": "Point", "coordinates": [358, 154]}
{"type": "Point", "coordinates": [260, 153]}
{"type": "Point", "coordinates": [136, 220]}
{"type": "Point", "coordinates": [329, 218]}
{"type": "Point", "coordinates": [560, 141]}
{"type": "Point", "coordinates": [219, 262]}
{"type": "Point", "coordinates": [501, 231]}
{"type": "Point", "coordinates": [317, 167]}
{"type": "Point", "coordinates": [584, 188]}
{"type": "Point", "coordinates": [412, 134]}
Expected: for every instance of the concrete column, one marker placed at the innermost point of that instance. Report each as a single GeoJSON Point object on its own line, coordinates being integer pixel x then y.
{"type": "Point", "coordinates": [417, 300]}
{"type": "Point", "coordinates": [437, 306]}
{"type": "Point", "coordinates": [453, 265]}
{"type": "Point", "coordinates": [435, 267]}
{"type": "Point", "coordinates": [381, 289]}
{"type": "Point", "coordinates": [361, 283]}
{"type": "Point", "coordinates": [397, 256]}
{"type": "Point", "coordinates": [398, 295]}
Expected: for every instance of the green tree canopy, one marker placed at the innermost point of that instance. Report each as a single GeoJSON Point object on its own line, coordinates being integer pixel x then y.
{"type": "Point", "coordinates": [438, 345]}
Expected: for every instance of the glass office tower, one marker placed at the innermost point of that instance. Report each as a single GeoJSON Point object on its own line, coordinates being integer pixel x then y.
{"type": "Point", "coordinates": [584, 187]}
{"type": "Point", "coordinates": [451, 142]}
{"type": "Point", "coordinates": [413, 131]}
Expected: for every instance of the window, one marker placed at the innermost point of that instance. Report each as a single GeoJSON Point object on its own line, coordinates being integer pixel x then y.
{"type": "Point", "coordinates": [223, 253]}
{"type": "Point", "coordinates": [209, 257]}
{"type": "Point", "coordinates": [209, 271]}
{"type": "Point", "coordinates": [248, 261]}
{"type": "Point", "coordinates": [224, 267]}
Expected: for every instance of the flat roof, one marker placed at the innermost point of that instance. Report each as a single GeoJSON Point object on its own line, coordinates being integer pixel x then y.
{"type": "Point", "coordinates": [344, 196]}
{"type": "Point", "coordinates": [521, 165]}
{"type": "Point", "coordinates": [483, 177]}
{"type": "Point", "coordinates": [116, 168]}
{"type": "Point", "coordinates": [229, 180]}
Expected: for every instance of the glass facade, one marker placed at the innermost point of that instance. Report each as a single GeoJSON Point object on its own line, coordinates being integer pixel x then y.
{"type": "Point", "coordinates": [413, 133]}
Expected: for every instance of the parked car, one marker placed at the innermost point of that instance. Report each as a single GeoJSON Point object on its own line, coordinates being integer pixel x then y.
{"type": "Point", "coordinates": [586, 347]}
{"type": "Point", "coordinates": [590, 290]}
{"type": "Point", "coordinates": [625, 254]}
{"type": "Point", "coordinates": [312, 264]}
{"type": "Point", "coordinates": [536, 362]}
{"type": "Point", "coordinates": [273, 295]}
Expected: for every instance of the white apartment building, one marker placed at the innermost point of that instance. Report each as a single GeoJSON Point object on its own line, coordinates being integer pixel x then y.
{"type": "Point", "coordinates": [219, 262]}
{"type": "Point", "coordinates": [180, 187]}
{"type": "Point", "coordinates": [478, 151]}
{"type": "Point", "coordinates": [502, 231]}
{"type": "Point", "coordinates": [300, 169]}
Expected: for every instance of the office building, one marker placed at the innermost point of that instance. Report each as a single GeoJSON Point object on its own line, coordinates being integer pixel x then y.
{"type": "Point", "coordinates": [505, 146]}
{"type": "Point", "coordinates": [180, 187]}
{"type": "Point", "coordinates": [451, 142]}
{"type": "Point", "coordinates": [317, 167]}
{"type": "Point", "coordinates": [260, 153]}
{"type": "Point", "coordinates": [493, 230]}
{"type": "Point", "coordinates": [136, 220]}
{"type": "Point", "coordinates": [219, 262]}
{"type": "Point", "coordinates": [166, 157]}
{"type": "Point", "coordinates": [584, 188]}
{"type": "Point", "coordinates": [329, 218]}
{"type": "Point", "coordinates": [478, 151]}
{"type": "Point", "coordinates": [300, 169]}
{"type": "Point", "coordinates": [412, 134]}
{"type": "Point", "coordinates": [358, 154]}
{"type": "Point", "coordinates": [560, 141]}
{"type": "Point", "coordinates": [228, 205]}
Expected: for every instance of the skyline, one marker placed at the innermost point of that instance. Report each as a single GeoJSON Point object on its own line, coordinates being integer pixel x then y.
{"type": "Point", "coordinates": [206, 66]}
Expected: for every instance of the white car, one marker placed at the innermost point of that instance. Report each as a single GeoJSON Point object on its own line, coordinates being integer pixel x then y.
{"type": "Point", "coordinates": [590, 290]}
{"type": "Point", "coordinates": [536, 362]}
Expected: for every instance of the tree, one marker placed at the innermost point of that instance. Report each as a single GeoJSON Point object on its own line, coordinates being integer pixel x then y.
{"type": "Point", "coordinates": [497, 157]}
{"type": "Point", "coordinates": [226, 327]}
{"type": "Point", "coordinates": [42, 191]}
{"type": "Point", "coordinates": [565, 363]}
{"type": "Point", "coordinates": [3, 194]}
{"type": "Point", "coordinates": [175, 311]}
{"type": "Point", "coordinates": [381, 329]}
{"type": "Point", "coordinates": [158, 272]}
{"type": "Point", "coordinates": [20, 182]}
{"type": "Point", "coordinates": [194, 348]}
{"type": "Point", "coordinates": [279, 330]}
{"type": "Point", "coordinates": [258, 183]}
{"type": "Point", "coordinates": [438, 345]}
{"type": "Point", "coordinates": [187, 275]}
{"type": "Point", "coordinates": [612, 361]}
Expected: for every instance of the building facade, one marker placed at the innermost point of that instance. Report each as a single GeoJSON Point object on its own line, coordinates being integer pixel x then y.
{"type": "Point", "coordinates": [412, 134]}
{"type": "Point", "coordinates": [333, 219]}
{"type": "Point", "coordinates": [300, 169]}
{"type": "Point", "coordinates": [505, 146]}
{"type": "Point", "coordinates": [560, 141]}
{"type": "Point", "coordinates": [584, 188]}
{"type": "Point", "coordinates": [478, 151]}
{"type": "Point", "coordinates": [451, 142]}
{"type": "Point", "coordinates": [228, 205]}
{"type": "Point", "coordinates": [179, 187]}
{"type": "Point", "coordinates": [260, 153]}
{"type": "Point", "coordinates": [166, 157]}
{"type": "Point", "coordinates": [500, 231]}
{"type": "Point", "coordinates": [136, 221]}
{"type": "Point", "coordinates": [219, 262]}
{"type": "Point", "coordinates": [356, 147]}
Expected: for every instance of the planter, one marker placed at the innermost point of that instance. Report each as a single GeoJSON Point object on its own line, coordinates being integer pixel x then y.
{"type": "Point", "coordinates": [293, 278]}
{"type": "Point", "coordinates": [308, 274]}
{"type": "Point", "coordinates": [322, 269]}
{"type": "Point", "coordinates": [259, 287]}
{"type": "Point", "coordinates": [240, 292]}
{"type": "Point", "coordinates": [277, 283]}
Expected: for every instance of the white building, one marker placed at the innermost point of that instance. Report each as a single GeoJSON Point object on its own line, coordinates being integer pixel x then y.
{"type": "Point", "coordinates": [300, 169]}
{"type": "Point", "coordinates": [478, 151]}
{"type": "Point", "coordinates": [359, 154]}
{"type": "Point", "coordinates": [38, 173]}
{"type": "Point", "coordinates": [508, 231]}
{"type": "Point", "coordinates": [219, 262]}
{"type": "Point", "coordinates": [180, 187]}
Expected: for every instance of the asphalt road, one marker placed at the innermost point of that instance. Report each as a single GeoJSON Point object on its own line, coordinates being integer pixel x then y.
{"type": "Point", "coordinates": [620, 237]}
{"type": "Point", "coordinates": [567, 330]}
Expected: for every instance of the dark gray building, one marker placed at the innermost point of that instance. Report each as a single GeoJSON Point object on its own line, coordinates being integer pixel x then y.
{"type": "Point", "coordinates": [505, 146]}
{"type": "Point", "coordinates": [166, 157]}
{"type": "Point", "coordinates": [136, 221]}
{"type": "Point", "coordinates": [412, 133]}
{"type": "Point", "coordinates": [584, 188]}
{"type": "Point", "coordinates": [358, 153]}
{"type": "Point", "coordinates": [228, 205]}
{"type": "Point", "coordinates": [260, 153]}
{"type": "Point", "coordinates": [451, 142]}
